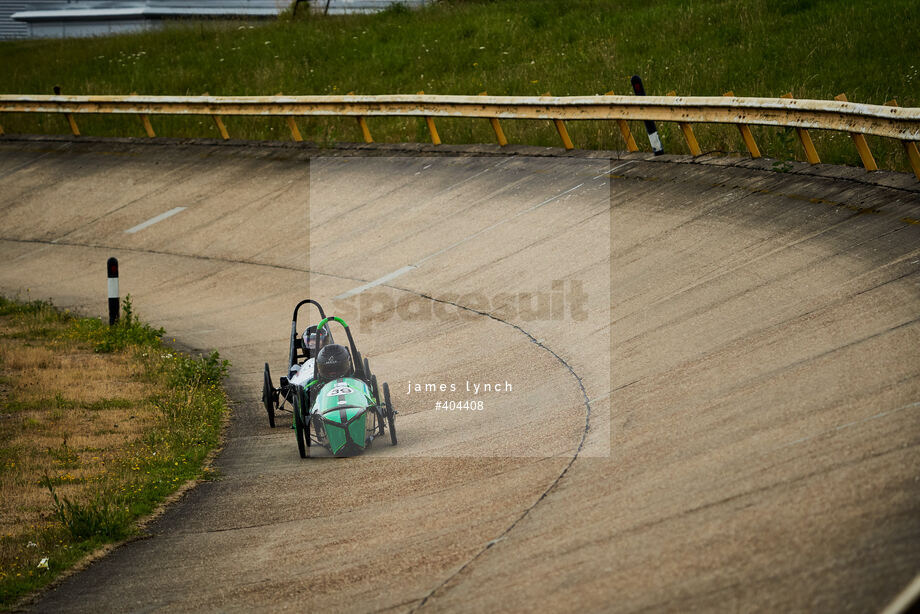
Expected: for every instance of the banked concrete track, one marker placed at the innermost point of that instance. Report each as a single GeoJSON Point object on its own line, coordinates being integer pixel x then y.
{"type": "Point", "coordinates": [733, 424]}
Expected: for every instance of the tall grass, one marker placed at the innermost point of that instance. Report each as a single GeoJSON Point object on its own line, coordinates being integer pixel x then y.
{"type": "Point", "coordinates": [812, 48]}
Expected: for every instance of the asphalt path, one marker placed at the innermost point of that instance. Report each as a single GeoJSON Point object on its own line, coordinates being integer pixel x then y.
{"type": "Point", "coordinates": [698, 378]}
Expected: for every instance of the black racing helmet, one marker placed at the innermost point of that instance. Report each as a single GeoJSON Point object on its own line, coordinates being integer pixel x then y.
{"type": "Point", "coordinates": [333, 361]}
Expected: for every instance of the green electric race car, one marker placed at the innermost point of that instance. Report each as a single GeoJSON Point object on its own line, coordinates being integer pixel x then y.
{"type": "Point", "coordinates": [331, 392]}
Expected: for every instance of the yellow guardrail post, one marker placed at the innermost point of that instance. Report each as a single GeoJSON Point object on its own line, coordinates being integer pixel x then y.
{"type": "Point", "coordinates": [435, 138]}
{"type": "Point", "coordinates": [499, 133]}
{"type": "Point", "coordinates": [292, 125]}
{"type": "Point", "coordinates": [148, 127]}
{"type": "Point", "coordinates": [362, 124]}
{"type": "Point", "coordinates": [70, 118]}
{"type": "Point", "coordinates": [73, 124]}
{"type": "Point", "coordinates": [496, 127]}
{"type": "Point", "coordinates": [859, 139]}
{"type": "Point", "coordinates": [432, 129]}
{"type": "Point", "coordinates": [221, 127]}
{"type": "Point", "coordinates": [560, 128]}
{"type": "Point", "coordinates": [365, 131]}
{"type": "Point", "coordinates": [687, 129]}
{"type": "Point", "coordinates": [220, 124]}
{"type": "Point", "coordinates": [910, 147]}
{"type": "Point", "coordinates": [145, 120]}
{"type": "Point", "coordinates": [624, 130]}
{"type": "Point", "coordinates": [811, 154]}
{"type": "Point", "coordinates": [746, 134]}
{"type": "Point", "coordinates": [563, 134]}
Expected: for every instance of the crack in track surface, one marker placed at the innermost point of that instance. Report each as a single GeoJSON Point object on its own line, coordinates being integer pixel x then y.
{"type": "Point", "coordinates": [529, 336]}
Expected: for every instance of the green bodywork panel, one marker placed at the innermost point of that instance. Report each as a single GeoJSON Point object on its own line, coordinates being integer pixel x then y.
{"type": "Point", "coordinates": [343, 392]}
{"type": "Point", "coordinates": [336, 435]}
{"type": "Point", "coordinates": [356, 429]}
{"type": "Point", "coordinates": [344, 402]}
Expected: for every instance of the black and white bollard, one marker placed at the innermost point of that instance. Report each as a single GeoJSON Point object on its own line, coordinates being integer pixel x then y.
{"type": "Point", "coordinates": [114, 310]}
{"type": "Point", "coordinates": [653, 138]}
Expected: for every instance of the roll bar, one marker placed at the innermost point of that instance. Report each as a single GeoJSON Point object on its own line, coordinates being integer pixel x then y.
{"type": "Point", "coordinates": [359, 368]}
{"type": "Point", "coordinates": [292, 351]}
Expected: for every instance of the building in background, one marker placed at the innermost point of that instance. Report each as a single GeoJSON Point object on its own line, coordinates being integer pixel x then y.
{"type": "Point", "coordinates": [71, 18]}
{"type": "Point", "coordinates": [9, 27]}
{"type": "Point", "coordinates": [338, 7]}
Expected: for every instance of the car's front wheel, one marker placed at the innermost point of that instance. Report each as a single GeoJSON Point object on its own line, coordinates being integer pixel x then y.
{"type": "Point", "coordinates": [301, 427]}
{"type": "Point", "coordinates": [269, 396]}
{"type": "Point", "coordinates": [390, 413]}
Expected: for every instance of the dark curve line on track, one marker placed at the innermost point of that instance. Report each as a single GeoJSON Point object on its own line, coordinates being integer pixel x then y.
{"type": "Point", "coordinates": [581, 444]}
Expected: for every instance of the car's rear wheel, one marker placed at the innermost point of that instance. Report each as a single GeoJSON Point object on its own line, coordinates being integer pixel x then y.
{"type": "Point", "coordinates": [390, 413]}
{"type": "Point", "coordinates": [305, 415]}
{"type": "Point", "coordinates": [301, 430]}
{"type": "Point", "coordinates": [268, 396]}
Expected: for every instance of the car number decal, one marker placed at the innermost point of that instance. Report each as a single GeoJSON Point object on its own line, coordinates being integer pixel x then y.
{"type": "Point", "coordinates": [340, 389]}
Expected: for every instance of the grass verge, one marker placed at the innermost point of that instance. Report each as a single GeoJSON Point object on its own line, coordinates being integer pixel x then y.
{"type": "Point", "coordinates": [812, 48]}
{"type": "Point", "coordinates": [98, 425]}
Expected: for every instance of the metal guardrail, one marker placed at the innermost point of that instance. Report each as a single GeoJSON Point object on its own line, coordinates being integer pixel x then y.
{"type": "Point", "coordinates": [858, 119]}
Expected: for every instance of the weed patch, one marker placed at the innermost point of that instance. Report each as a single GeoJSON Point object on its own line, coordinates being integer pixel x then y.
{"type": "Point", "coordinates": [104, 516]}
